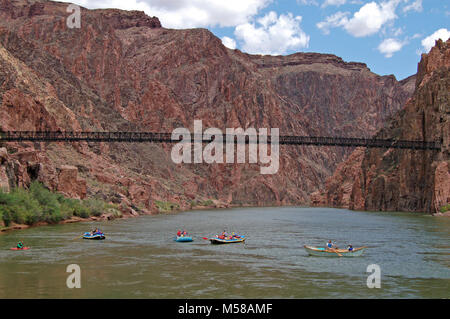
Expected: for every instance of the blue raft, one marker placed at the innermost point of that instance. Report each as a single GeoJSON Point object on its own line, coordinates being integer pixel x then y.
{"type": "Point", "coordinates": [95, 236]}
{"type": "Point", "coordinates": [183, 239]}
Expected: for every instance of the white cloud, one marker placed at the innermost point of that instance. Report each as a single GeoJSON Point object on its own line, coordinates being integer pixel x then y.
{"type": "Point", "coordinates": [429, 41]}
{"type": "Point", "coordinates": [333, 3]}
{"type": "Point", "coordinates": [336, 20]}
{"type": "Point", "coordinates": [307, 2]}
{"type": "Point", "coordinates": [397, 32]}
{"type": "Point", "coordinates": [370, 18]}
{"type": "Point", "coordinates": [367, 21]}
{"type": "Point", "coordinates": [187, 13]}
{"type": "Point", "coordinates": [272, 34]}
{"type": "Point", "coordinates": [416, 6]}
{"type": "Point", "coordinates": [229, 42]}
{"type": "Point", "coordinates": [389, 46]}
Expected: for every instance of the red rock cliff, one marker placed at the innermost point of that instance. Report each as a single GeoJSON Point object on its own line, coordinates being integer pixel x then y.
{"type": "Point", "coordinates": [400, 180]}
{"type": "Point", "coordinates": [123, 71]}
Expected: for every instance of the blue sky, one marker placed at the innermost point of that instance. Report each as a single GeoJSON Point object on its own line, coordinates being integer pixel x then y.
{"type": "Point", "coordinates": [387, 35]}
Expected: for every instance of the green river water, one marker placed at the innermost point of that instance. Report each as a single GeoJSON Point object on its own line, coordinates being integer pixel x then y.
{"type": "Point", "coordinates": [139, 258]}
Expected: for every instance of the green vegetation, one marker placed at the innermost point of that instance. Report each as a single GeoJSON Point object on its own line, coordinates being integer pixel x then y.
{"type": "Point", "coordinates": [164, 207]}
{"type": "Point", "coordinates": [202, 203]}
{"type": "Point", "coordinates": [38, 204]}
{"type": "Point", "coordinates": [445, 208]}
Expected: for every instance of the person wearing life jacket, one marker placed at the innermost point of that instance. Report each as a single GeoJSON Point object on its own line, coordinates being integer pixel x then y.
{"type": "Point", "coordinates": [350, 248]}
{"type": "Point", "coordinates": [331, 246]}
{"type": "Point", "coordinates": [20, 245]}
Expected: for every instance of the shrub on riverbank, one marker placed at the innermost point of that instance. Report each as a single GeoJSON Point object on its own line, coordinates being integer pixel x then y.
{"type": "Point", "coordinates": [38, 204]}
{"type": "Point", "coordinates": [202, 203]}
{"type": "Point", "coordinates": [445, 209]}
{"type": "Point", "coordinates": [164, 207]}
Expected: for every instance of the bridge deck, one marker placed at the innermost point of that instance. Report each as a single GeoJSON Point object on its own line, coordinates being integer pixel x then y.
{"type": "Point", "coordinates": [142, 137]}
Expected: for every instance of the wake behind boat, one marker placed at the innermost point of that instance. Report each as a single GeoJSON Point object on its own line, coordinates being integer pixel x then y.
{"type": "Point", "coordinates": [324, 252]}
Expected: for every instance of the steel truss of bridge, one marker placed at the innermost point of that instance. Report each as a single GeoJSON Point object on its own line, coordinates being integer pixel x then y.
{"type": "Point", "coordinates": [142, 137]}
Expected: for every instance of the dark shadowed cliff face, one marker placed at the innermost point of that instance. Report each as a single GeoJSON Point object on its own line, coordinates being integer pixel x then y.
{"type": "Point", "coordinates": [123, 71]}
{"type": "Point", "coordinates": [399, 180]}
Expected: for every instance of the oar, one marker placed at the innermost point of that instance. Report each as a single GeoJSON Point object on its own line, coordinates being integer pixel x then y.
{"type": "Point", "coordinates": [337, 252]}
{"type": "Point", "coordinates": [333, 250]}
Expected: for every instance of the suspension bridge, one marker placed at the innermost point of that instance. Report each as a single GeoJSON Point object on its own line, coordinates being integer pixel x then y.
{"type": "Point", "coordinates": [144, 137]}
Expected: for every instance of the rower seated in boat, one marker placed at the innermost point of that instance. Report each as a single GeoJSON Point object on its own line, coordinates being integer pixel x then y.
{"type": "Point", "coordinates": [20, 245]}
{"type": "Point", "coordinates": [95, 231]}
{"type": "Point", "coordinates": [181, 233]}
{"type": "Point", "coordinates": [331, 246]}
{"type": "Point", "coordinates": [350, 248]}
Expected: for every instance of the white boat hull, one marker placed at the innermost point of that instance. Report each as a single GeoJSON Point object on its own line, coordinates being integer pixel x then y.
{"type": "Point", "coordinates": [322, 252]}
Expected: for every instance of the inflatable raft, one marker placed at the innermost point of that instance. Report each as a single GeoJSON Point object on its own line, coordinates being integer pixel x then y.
{"type": "Point", "coordinates": [183, 239]}
{"type": "Point", "coordinates": [24, 248]}
{"type": "Point", "coordinates": [95, 236]}
{"type": "Point", "coordinates": [320, 251]}
{"type": "Point", "coordinates": [219, 241]}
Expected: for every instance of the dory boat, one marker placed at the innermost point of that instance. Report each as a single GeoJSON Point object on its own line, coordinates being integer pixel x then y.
{"type": "Point", "coordinates": [183, 239]}
{"type": "Point", "coordinates": [320, 251]}
{"type": "Point", "coordinates": [219, 241]}
{"type": "Point", "coordinates": [96, 236]}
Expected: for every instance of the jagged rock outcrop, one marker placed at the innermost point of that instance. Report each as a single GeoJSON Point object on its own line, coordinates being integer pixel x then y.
{"type": "Point", "coordinates": [123, 71]}
{"type": "Point", "coordinates": [339, 187]}
{"type": "Point", "coordinates": [69, 183]}
{"type": "Point", "coordinates": [400, 180]}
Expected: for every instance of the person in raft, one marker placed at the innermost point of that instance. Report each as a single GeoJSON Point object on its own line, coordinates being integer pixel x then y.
{"type": "Point", "coordinates": [95, 231]}
{"type": "Point", "coordinates": [179, 233]}
{"type": "Point", "coordinates": [350, 248]}
{"type": "Point", "coordinates": [20, 245]}
{"type": "Point", "coordinates": [330, 245]}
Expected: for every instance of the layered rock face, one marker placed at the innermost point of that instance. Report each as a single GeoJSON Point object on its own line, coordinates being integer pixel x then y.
{"type": "Point", "coordinates": [400, 180]}
{"type": "Point", "coordinates": [122, 71]}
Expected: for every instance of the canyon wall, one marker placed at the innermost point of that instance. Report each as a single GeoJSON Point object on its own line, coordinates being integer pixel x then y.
{"type": "Point", "coordinates": [123, 71]}
{"type": "Point", "coordinates": [403, 180]}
